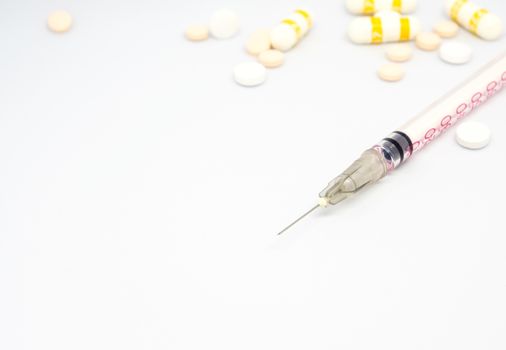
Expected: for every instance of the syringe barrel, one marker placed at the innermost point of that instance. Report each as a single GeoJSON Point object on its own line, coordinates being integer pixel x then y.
{"type": "Point", "coordinates": [444, 113]}
{"type": "Point", "coordinates": [400, 145]}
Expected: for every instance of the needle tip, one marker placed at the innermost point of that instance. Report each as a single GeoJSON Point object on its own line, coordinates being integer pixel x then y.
{"type": "Point", "coordinates": [300, 218]}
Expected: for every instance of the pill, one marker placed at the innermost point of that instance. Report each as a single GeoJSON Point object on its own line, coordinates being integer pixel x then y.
{"type": "Point", "coordinates": [455, 52]}
{"type": "Point", "coordinates": [258, 42]}
{"type": "Point", "coordinates": [291, 30]}
{"type": "Point", "coordinates": [370, 7]}
{"type": "Point", "coordinates": [271, 58]}
{"type": "Point", "coordinates": [197, 32]}
{"type": "Point", "coordinates": [446, 29]}
{"type": "Point", "coordinates": [475, 19]}
{"type": "Point", "coordinates": [59, 21]}
{"type": "Point", "coordinates": [387, 28]}
{"type": "Point", "coordinates": [391, 72]}
{"type": "Point", "coordinates": [428, 41]}
{"type": "Point", "coordinates": [473, 135]}
{"type": "Point", "coordinates": [399, 52]}
{"type": "Point", "coordinates": [250, 73]}
{"type": "Point", "coordinates": [224, 24]}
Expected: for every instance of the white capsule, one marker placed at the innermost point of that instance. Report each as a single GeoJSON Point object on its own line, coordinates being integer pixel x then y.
{"type": "Point", "coordinates": [382, 29]}
{"type": "Point", "coordinates": [283, 37]}
{"type": "Point", "coordinates": [475, 19]}
{"type": "Point", "coordinates": [291, 30]}
{"type": "Point", "coordinates": [388, 14]}
{"type": "Point", "coordinates": [370, 7]}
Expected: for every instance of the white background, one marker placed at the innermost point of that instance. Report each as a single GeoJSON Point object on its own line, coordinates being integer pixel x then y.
{"type": "Point", "coordinates": [141, 189]}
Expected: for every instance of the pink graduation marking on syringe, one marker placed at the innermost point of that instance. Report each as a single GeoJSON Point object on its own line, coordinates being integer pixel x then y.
{"type": "Point", "coordinates": [400, 145]}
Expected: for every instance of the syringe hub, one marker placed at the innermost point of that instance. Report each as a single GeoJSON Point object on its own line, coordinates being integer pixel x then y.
{"type": "Point", "coordinates": [369, 168]}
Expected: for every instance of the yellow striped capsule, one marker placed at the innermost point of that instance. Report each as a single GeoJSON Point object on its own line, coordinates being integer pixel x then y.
{"type": "Point", "coordinates": [291, 30]}
{"type": "Point", "coordinates": [475, 19]}
{"type": "Point", "coordinates": [385, 27]}
{"type": "Point", "coordinates": [370, 7]}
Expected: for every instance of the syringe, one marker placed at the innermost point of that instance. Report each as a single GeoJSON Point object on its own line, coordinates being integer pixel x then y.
{"type": "Point", "coordinates": [401, 144]}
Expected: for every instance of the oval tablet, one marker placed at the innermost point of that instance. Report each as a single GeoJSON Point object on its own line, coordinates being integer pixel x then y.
{"type": "Point", "coordinates": [271, 58]}
{"type": "Point", "coordinates": [258, 42]}
{"type": "Point", "coordinates": [399, 52]}
{"type": "Point", "coordinates": [446, 29]}
{"type": "Point", "coordinates": [391, 72]}
{"type": "Point", "coordinates": [428, 41]}
{"type": "Point", "coordinates": [59, 21]}
{"type": "Point", "coordinates": [197, 32]}
{"type": "Point", "coordinates": [224, 24]}
{"type": "Point", "coordinates": [473, 135]}
{"type": "Point", "coordinates": [455, 52]}
{"type": "Point", "coordinates": [250, 73]}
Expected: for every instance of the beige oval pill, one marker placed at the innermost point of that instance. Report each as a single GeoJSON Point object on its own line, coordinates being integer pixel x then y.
{"type": "Point", "coordinates": [391, 72]}
{"type": "Point", "coordinates": [271, 58]}
{"type": "Point", "coordinates": [428, 41]}
{"type": "Point", "coordinates": [446, 29]}
{"type": "Point", "coordinates": [258, 42]}
{"type": "Point", "coordinates": [197, 32]}
{"type": "Point", "coordinates": [59, 21]}
{"type": "Point", "coordinates": [399, 52]}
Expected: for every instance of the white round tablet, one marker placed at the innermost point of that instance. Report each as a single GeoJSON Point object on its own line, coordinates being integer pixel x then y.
{"type": "Point", "coordinates": [224, 24]}
{"type": "Point", "coordinates": [59, 21]}
{"type": "Point", "coordinates": [250, 73]}
{"type": "Point", "coordinates": [455, 52]}
{"type": "Point", "coordinates": [473, 135]}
